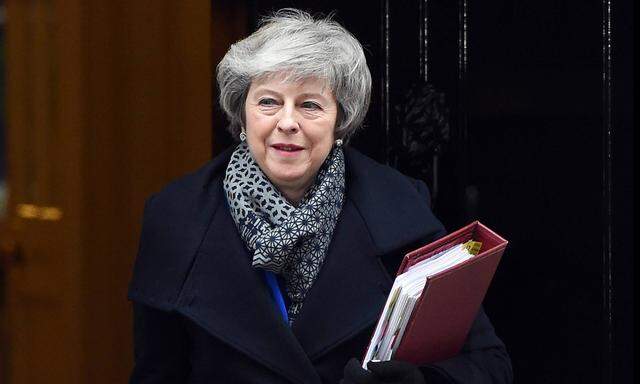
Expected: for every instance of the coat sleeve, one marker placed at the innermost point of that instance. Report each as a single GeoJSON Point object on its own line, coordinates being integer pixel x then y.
{"type": "Point", "coordinates": [160, 347]}
{"type": "Point", "coordinates": [483, 359]}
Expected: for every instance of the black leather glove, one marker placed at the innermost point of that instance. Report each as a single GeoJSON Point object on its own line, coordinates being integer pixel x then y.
{"type": "Point", "coordinates": [382, 372]}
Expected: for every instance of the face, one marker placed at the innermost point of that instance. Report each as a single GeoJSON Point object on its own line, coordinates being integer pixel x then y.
{"type": "Point", "coordinates": [289, 127]}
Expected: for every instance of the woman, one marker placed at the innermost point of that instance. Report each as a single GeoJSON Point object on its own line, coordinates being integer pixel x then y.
{"type": "Point", "coordinates": [271, 263]}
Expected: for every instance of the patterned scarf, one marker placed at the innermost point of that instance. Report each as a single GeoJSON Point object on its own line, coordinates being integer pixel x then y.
{"type": "Point", "coordinates": [287, 240]}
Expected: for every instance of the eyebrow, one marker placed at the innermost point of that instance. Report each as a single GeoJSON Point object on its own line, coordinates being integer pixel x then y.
{"type": "Point", "coordinates": [261, 91]}
{"type": "Point", "coordinates": [313, 94]}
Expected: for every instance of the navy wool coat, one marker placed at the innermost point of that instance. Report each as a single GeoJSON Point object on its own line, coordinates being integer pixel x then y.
{"type": "Point", "coordinates": [203, 314]}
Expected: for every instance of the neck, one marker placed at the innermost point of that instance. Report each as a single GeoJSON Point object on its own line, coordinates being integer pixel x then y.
{"type": "Point", "coordinates": [293, 195]}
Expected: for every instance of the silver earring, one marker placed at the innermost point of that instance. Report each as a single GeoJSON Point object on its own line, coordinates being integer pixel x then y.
{"type": "Point", "coordinates": [243, 136]}
{"type": "Point", "coordinates": [339, 142]}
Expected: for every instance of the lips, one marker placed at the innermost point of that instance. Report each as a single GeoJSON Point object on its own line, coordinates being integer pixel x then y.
{"type": "Point", "coordinates": [287, 147]}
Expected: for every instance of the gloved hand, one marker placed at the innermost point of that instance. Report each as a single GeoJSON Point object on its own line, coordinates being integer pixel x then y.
{"type": "Point", "coordinates": [382, 372]}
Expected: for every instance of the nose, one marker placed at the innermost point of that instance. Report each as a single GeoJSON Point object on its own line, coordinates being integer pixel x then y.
{"type": "Point", "coordinates": [288, 122]}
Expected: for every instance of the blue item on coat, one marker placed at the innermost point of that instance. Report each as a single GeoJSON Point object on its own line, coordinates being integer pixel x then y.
{"type": "Point", "coordinates": [276, 293]}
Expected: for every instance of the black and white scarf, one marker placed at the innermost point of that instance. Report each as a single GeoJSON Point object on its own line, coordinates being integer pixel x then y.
{"type": "Point", "coordinates": [287, 240]}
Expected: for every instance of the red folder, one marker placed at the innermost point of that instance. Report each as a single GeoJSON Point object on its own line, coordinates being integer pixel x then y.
{"type": "Point", "coordinates": [451, 299]}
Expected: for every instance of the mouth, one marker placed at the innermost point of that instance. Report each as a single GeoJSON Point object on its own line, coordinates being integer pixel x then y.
{"type": "Point", "coordinates": [287, 147]}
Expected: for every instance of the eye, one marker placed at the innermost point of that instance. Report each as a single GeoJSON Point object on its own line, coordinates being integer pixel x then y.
{"type": "Point", "coordinates": [311, 105]}
{"type": "Point", "coordinates": [267, 101]}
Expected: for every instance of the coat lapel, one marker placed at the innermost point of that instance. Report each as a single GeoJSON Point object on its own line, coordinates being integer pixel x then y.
{"type": "Point", "coordinates": [349, 292]}
{"type": "Point", "coordinates": [227, 297]}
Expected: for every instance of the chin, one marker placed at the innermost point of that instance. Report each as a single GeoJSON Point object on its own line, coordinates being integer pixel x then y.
{"type": "Point", "coordinates": [289, 178]}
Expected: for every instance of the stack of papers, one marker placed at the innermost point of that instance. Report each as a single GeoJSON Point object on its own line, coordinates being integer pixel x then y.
{"type": "Point", "coordinates": [405, 292]}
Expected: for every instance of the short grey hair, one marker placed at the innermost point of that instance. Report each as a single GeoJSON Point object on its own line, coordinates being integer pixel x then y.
{"type": "Point", "coordinates": [297, 45]}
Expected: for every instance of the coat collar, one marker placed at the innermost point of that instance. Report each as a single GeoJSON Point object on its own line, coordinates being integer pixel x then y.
{"type": "Point", "coordinates": [393, 208]}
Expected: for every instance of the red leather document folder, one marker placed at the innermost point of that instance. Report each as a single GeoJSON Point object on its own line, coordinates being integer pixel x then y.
{"type": "Point", "coordinates": [450, 301]}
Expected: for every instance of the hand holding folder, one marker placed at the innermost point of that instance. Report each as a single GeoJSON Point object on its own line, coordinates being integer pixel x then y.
{"type": "Point", "coordinates": [436, 295]}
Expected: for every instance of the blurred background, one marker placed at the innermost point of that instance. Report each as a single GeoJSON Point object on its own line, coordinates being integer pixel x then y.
{"type": "Point", "coordinates": [516, 113]}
